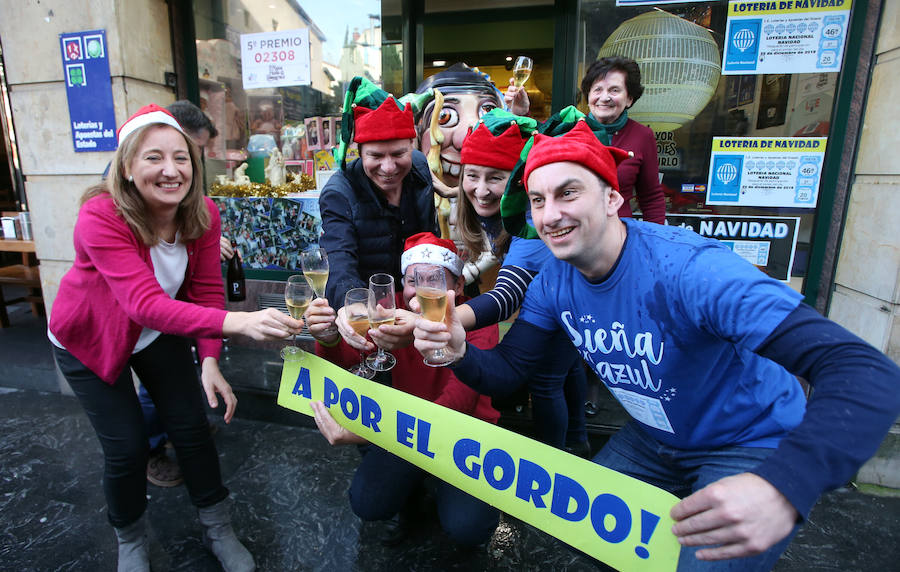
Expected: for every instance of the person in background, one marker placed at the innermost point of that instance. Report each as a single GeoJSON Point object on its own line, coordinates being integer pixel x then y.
{"type": "Point", "coordinates": [146, 277]}
{"type": "Point", "coordinates": [384, 485]}
{"type": "Point", "coordinates": [610, 87]}
{"type": "Point", "coordinates": [701, 348]}
{"type": "Point", "coordinates": [371, 206]}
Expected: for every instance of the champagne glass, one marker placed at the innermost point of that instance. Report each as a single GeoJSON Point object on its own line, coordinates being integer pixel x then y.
{"type": "Point", "coordinates": [431, 291]}
{"type": "Point", "coordinates": [382, 304]}
{"type": "Point", "coordinates": [314, 262]}
{"type": "Point", "coordinates": [522, 70]}
{"type": "Point", "coordinates": [356, 303]}
{"type": "Point", "coordinates": [297, 296]}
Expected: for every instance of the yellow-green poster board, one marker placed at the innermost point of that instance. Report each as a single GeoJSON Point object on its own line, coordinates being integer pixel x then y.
{"type": "Point", "coordinates": [615, 518]}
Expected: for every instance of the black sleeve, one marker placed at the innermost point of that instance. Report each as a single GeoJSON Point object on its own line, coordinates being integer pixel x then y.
{"type": "Point", "coordinates": [501, 370]}
{"type": "Point", "coordinates": [855, 399]}
{"type": "Point", "coordinates": [341, 242]}
{"type": "Point", "coordinates": [505, 298]}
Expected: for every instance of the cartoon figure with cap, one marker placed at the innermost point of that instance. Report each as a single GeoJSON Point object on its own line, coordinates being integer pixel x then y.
{"type": "Point", "coordinates": [700, 347]}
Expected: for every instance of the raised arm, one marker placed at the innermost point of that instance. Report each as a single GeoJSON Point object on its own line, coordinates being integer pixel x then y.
{"type": "Point", "coordinates": [499, 303]}
{"type": "Point", "coordinates": [341, 241]}
{"type": "Point", "coordinates": [854, 402]}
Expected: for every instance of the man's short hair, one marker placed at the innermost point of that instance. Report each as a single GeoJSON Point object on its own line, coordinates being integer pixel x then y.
{"type": "Point", "coordinates": [192, 117]}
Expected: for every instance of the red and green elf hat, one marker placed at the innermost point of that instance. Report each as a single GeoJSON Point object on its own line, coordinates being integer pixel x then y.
{"type": "Point", "coordinates": [497, 140]}
{"type": "Point", "coordinates": [372, 114]}
{"type": "Point", "coordinates": [514, 203]}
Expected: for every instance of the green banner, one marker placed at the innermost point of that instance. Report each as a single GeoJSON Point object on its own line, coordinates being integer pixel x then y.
{"type": "Point", "coordinates": [615, 518]}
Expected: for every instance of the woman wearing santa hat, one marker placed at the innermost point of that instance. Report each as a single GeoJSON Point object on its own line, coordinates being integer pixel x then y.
{"type": "Point", "coordinates": [558, 386]}
{"type": "Point", "coordinates": [146, 278]}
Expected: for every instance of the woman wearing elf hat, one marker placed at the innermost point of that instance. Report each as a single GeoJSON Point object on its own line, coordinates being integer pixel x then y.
{"type": "Point", "coordinates": [558, 385]}
{"type": "Point", "coordinates": [146, 278]}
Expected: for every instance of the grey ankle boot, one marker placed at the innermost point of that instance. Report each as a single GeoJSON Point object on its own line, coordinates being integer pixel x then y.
{"type": "Point", "coordinates": [219, 538]}
{"type": "Point", "coordinates": [133, 553]}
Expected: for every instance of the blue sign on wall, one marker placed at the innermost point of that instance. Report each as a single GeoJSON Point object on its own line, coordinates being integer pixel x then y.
{"type": "Point", "coordinates": [89, 90]}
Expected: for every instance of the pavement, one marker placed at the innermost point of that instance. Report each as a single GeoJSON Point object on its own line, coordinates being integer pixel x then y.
{"type": "Point", "coordinates": [289, 487]}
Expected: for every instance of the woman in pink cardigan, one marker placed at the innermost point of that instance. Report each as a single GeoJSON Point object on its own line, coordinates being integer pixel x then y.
{"type": "Point", "coordinates": [146, 277]}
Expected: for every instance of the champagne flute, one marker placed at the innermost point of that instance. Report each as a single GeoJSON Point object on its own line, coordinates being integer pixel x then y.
{"type": "Point", "coordinates": [297, 296]}
{"type": "Point", "coordinates": [522, 70]}
{"type": "Point", "coordinates": [314, 262]}
{"type": "Point", "coordinates": [431, 291]}
{"type": "Point", "coordinates": [356, 306]}
{"type": "Point", "coordinates": [382, 304]}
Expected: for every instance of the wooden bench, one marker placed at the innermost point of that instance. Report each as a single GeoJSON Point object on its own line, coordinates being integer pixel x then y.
{"type": "Point", "coordinates": [26, 275]}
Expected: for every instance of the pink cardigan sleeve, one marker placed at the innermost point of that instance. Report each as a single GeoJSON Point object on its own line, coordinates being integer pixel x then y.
{"type": "Point", "coordinates": [123, 261]}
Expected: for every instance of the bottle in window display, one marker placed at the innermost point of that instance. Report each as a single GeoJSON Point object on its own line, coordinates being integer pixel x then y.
{"type": "Point", "coordinates": [237, 289]}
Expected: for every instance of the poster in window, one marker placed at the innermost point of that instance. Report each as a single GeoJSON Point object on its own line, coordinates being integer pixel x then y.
{"type": "Point", "coordinates": [769, 243]}
{"type": "Point", "coordinates": [732, 88]}
{"type": "Point", "coordinates": [773, 100]}
{"type": "Point", "coordinates": [313, 133]}
{"type": "Point", "coordinates": [794, 36]}
{"type": "Point", "coordinates": [765, 171]}
{"type": "Point", "coordinates": [747, 89]}
{"type": "Point", "coordinates": [327, 132]}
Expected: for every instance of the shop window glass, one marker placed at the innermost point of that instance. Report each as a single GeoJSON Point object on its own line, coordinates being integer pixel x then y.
{"type": "Point", "coordinates": [688, 102]}
{"type": "Point", "coordinates": [345, 40]}
{"type": "Point", "coordinates": [271, 219]}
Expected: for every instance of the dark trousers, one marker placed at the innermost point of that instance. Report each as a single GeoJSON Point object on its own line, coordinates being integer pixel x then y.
{"type": "Point", "coordinates": [384, 484]}
{"type": "Point", "coordinates": [558, 390]}
{"type": "Point", "coordinates": [166, 369]}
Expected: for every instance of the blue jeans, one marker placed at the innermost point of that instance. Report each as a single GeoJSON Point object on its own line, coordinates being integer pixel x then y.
{"type": "Point", "coordinates": [558, 387]}
{"type": "Point", "coordinates": [156, 435]}
{"type": "Point", "coordinates": [166, 369]}
{"type": "Point", "coordinates": [635, 453]}
{"type": "Point", "coordinates": [384, 483]}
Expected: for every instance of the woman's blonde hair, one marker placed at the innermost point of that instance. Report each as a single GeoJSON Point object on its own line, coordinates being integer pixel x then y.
{"type": "Point", "coordinates": [470, 230]}
{"type": "Point", "coordinates": [192, 216]}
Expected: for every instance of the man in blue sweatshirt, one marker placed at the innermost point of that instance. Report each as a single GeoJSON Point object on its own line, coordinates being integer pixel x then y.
{"type": "Point", "coordinates": [701, 349]}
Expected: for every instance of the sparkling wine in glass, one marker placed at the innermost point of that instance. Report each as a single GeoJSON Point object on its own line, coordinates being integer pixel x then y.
{"type": "Point", "coordinates": [382, 304]}
{"type": "Point", "coordinates": [314, 262]}
{"type": "Point", "coordinates": [297, 296]}
{"type": "Point", "coordinates": [431, 291]}
{"type": "Point", "coordinates": [522, 70]}
{"type": "Point", "coordinates": [356, 305]}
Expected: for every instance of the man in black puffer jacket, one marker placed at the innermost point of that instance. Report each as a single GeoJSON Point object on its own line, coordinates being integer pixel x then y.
{"type": "Point", "coordinates": [372, 206]}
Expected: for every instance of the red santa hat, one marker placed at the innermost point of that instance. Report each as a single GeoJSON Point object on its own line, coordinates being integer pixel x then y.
{"type": "Point", "coordinates": [147, 115]}
{"type": "Point", "coordinates": [579, 145]}
{"type": "Point", "coordinates": [426, 248]}
{"type": "Point", "coordinates": [384, 123]}
{"type": "Point", "coordinates": [501, 152]}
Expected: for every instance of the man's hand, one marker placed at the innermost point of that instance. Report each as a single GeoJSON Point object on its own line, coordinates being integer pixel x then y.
{"type": "Point", "coordinates": [329, 428]}
{"type": "Point", "coordinates": [320, 319]}
{"type": "Point", "coordinates": [742, 515]}
{"type": "Point", "coordinates": [516, 99]}
{"type": "Point", "coordinates": [449, 334]}
{"type": "Point", "coordinates": [213, 382]}
{"type": "Point", "coordinates": [399, 335]}
{"type": "Point", "coordinates": [353, 339]}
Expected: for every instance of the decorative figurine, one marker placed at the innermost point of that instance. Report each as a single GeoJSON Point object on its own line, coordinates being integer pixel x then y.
{"type": "Point", "coordinates": [240, 176]}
